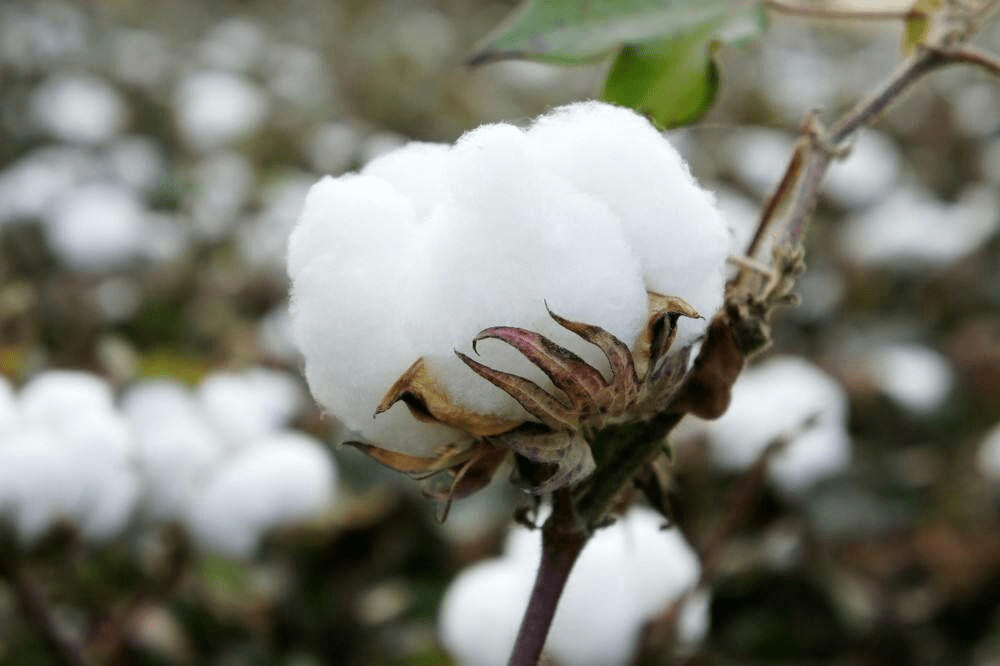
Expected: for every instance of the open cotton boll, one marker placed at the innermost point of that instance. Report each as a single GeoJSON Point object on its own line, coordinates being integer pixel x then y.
{"type": "Point", "coordinates": [672, 224]}
{"type": "Point", "coordinates": [286, 479]}
{"type": "Point", "coordinates": [911, 227]}
{"type": "Point", "coordinates": [511, 239]}
{"type": "Point", "coordinates": [38, 483]}
{"type": "Point", "coordinates": [214, 109]}
{"type": "Point", "coordinates": [79, 109]}
{"type": "Point", "coordinates": [777, 398]}
{"type": "Point", "coordinates": [599, 616]}
{"type": "Point", "coordinates": [176, 446]}
{"type": "Point", "coordinates": [247, 405]}
{"type": "Point", "coordinates": [54, 396]}
{"type": "Point", "coordinates": [30, 186]}
{"type": "Point", "coordinates": [916, 377]}
{"type": "Point", "coordinates": [98, 226]}
{"type": "Point", "coordinates": [416, 171]}
{"type": "Point", "coordinates": [481, 612]}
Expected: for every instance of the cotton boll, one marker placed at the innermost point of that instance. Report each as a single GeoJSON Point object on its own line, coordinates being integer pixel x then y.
{"type": "Point", "coordinates": [670, 222]}
{"type": "Point", "coordinates": [137, 162]}
{"type": "Point", "coordinates": [777, 398]}
{"type": "Point", "coordinates": [79, 109]}
{"type": "Point", "coordinates": [38, 485]}
{"type": "Point", "coordinates": [333, 147]}
{"type": "Point", "coordinates": [916, 377]}
{"type": "Point", "coordinates": [599, 616]}
{"type": "Point", "coordinates": [176, 447]}
{"type": "Point", "coordinates": [99, 446]}
{"type": "Point", "coordinates": [98, 226]}
{"type": "Point", "coordinates": [248, 405]}
{"type": "Point", "coordinates": [759, 157]}
{"type": "Point", "coordinates": [235, 44]}
{"type": "Point", "coordinates": [417, 171]}
{"type": "Point", "coordinates": [215, 109]}
{"type": "Point", "coordinates": [512, 239]}
{"type": "Point", "coordinates": [913, 228]}
{"type": "Point", "coordinates": [287, 479]}
{"type": "Point", "coordinates": [31, 186]}
{"type": "Point", "coordinates": [481, 612]}
{"type": "Point", "coordinates": [54, 396]}
{"type": "Point", "coordinates": [867, 174]}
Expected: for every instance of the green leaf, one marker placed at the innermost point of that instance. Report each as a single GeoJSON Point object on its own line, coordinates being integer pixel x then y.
{"type": "Point", "coordinates": [577, 31]}
{"type": "Point", "coordinates": [674, 81]}
{"type": "Point", "coordinates": [916, 28]}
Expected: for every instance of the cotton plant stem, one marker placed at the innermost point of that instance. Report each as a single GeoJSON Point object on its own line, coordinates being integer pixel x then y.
{"type": "Point", "coordinates": [788, 211]}
{"type": "Point", "coordinates": [35, 611]}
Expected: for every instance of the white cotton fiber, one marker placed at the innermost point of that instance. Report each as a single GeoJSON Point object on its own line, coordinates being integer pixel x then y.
{"type": "Point", "coordinates": [37, 486]}
{"type": "Point", "coordinates": [248, 405]}
{"type": "Point", "coordinates": [625, 575]}
{"type": "Point", "coordinates": [79, 109]}
{"type": "Point", "coordinates": [917, 378]}
{"type": "Point", "coordinates": [511, 239]}
{"type": "Point", "coordinates": [671, 223]}
{"type": "Point", "coordinates": [217, 108]}
{"type": "Point", "coordinates": [417, 171]}
{"type": "Point", "coordinates": [777, 398]}
{"type": "Point", "coordinates": [57, 395]}
{"type": "Point", "coordinates": [176, 449]}
{"type": "Point", "coordinates": [584, 212]}
{"type": "Point", "coordinates": [286, 479]}
{"type": "Point", "coordinates": [98, 226]}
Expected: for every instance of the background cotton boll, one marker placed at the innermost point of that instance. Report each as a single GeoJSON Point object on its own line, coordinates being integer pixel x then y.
{"type": "Point", "coordinates": [217, 108]}
{"type": "Point", "coordinates": [98, 226]}
{"type": "Point", "coordinates": [417, 171]}
{"type": "Point", "coordinates": [349, 217]}
{"type": "Point", "coordinates": [8, 406]}
{"type": "Point", "coordinates": [223, 183]}
{"type": "Point", "coordinates": [654, 568]}
{"type": "Point", "coordinates": [913, 228]}
{"type": "Point", "coordinates": [337, 302]}
{"type": "Point", "coordinates": [136, 161]}
{"type": "Point", "coordinates": [176, 447]}
{"type": "Point", "coordinates": [918, 378]}
{"type": "Point", "coordinates": [57, 395]}
{"type": "Point", "coordinates": [481, 612]}
{"type": "Point", "coordinates": [286, 479]}
{"type": "Point", "coordinates": [759, 156]}
{"type": "Point", "coordinates": [79, 109]}
{"type": "Point", "coordinates": [38, 485]}
{"type": "Point", "coordinates": [670, 222]}
{"type": "Point", "coordinates": [248, 405]}
{"type": "Point", "coordinates": [31, 186]}
{"type": "Point", "coordinates": [776, 398]}
{"type": "Point", "coordinates": [867, 174]}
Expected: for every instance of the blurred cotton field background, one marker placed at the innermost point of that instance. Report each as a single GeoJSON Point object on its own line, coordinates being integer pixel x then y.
{"type": "Point", "coordinates": [172, 492]}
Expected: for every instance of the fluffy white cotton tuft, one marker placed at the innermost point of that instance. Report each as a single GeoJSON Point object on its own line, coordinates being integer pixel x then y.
{"type": "Point", "coordinates": [284, 479]}
{"type": "Point", "coordinates": [218, 108]}
{"type": "Point", "coordinates": [67, 455]}
{"type": "Point", "coordinates": [430, 244]}
{"type": "Point", "coordinates": [916, 377]}
{"type": "Point", "coordinates": [79, 109]}
{"type": "Point", "coordinates": [482, 609]}
{"type": "Point", "coordinates": [98, 226]}
{"type": "Point", "coordinates": [672, 225]}
{"type": "Point", "coordinates": [778, 398]}
{"type": "Point", "coordinates": [913, 228]}
{"type": "Point", "coordinates": [248, 405]}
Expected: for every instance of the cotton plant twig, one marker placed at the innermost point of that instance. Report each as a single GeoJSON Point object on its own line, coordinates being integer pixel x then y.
{"type": "Point", "coordinates": [35, 611]}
